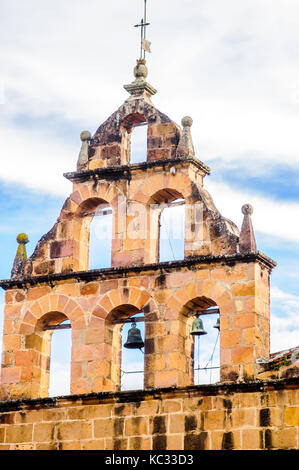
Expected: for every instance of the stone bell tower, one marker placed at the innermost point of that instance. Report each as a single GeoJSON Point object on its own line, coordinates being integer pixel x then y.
{"type": "Point", "coordinates": [221, 267]}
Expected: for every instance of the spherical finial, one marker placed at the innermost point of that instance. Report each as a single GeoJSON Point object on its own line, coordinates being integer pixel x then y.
{"type": "Point", "coordinates": [22, 238]}
{"type": "Point", "coordinates": [140, 71]}
{"type": "Point", "coordinates": [187, 121]}
{"type": "Point", "coordinates": [85, 135]}
{"type": "Point", "coordinates": [247, 209]}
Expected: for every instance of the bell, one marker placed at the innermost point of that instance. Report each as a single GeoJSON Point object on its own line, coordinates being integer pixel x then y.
{"type": "Point", "coordinates": [197, 327]}
{"type": "Point", "coordinates": [217, 324]}
{"type": "Point", "coordinates": [134, 340]}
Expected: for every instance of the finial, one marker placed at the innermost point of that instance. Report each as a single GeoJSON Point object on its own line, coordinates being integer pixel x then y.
{"type": "Point", "coordinates": [185, 146]}
{"type": "Point", "coordinates": [247, 209]}
{"type": "Point", "coordinates": [20, 258]}
{"type": "Point", "coordinates": [247, 239]}
{"type": "Point", "coordinates": [140, 87]}
{"type": "Point", "coordinates": [85, 136]}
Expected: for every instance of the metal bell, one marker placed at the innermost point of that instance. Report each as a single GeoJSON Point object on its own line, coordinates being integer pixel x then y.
{"type": "Point", "coordinates": [134, 340]}
{"type": "Point", "coordinates": [197, 327]}
{"type": "Point", "coordinates": [217, 324]}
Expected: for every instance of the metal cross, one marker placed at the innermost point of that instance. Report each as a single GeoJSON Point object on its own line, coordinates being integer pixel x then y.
{"type": "Point", "coordinates": [143, 24]}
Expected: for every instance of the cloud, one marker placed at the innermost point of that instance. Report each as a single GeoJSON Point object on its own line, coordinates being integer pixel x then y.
{"type": "Point", "coordinates": [285, 324]}
{"type": "Point", "coordinates": [272, 217]}
{"type": "Point", "coordinates": [59, 379]}
{"type": "Point", "coordinates": [224, 63]}
{"type": "Point", "coordinates": [36, 161]}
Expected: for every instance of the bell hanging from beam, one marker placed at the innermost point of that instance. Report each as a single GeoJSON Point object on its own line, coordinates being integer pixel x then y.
{"type": "Point", "coordinates": [134, 340]}
{"type": "Point", "coordinates": [197, 327]}
{"type": "Point", "coordinates": [217, 324]}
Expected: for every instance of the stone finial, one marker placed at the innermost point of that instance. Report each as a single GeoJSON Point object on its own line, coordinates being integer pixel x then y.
{"type": "Point", "coordinates": [247, 209]}
{"type": "Point", "coordinates": [85, 136]}
{"type": "Point", "coordinates": [20, 258]}
{"type": "Point", "coordinates": [185, 146]}
{"type": "Point", "coordinates": [140, 86]}
{"type": "Point", "coordinates": [247, 238]}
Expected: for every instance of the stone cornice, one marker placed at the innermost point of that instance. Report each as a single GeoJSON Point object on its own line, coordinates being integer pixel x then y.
{"type": "Point", "coordinates": [125, 171]}
{"type": "Point", "coordinates": [161, 268]}
{"type": "Point", "coordinates": [226, 388]}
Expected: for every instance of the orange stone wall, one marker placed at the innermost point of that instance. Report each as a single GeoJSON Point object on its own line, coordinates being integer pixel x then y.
{"type": "Point", "coordinates": [167, 297]}
{"type": "Point", "coordinates": [252, 416]}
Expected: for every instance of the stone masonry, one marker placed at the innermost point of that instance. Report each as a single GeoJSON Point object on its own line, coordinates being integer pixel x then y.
{"type": "Point", "coordinates": [253, 406]}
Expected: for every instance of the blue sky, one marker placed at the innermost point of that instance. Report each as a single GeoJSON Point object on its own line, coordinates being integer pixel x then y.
{"type": "Point", "coordinates": [233, 66]}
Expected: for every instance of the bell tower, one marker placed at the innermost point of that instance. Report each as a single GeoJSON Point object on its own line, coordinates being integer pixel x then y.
{"type": "Point", "coordinates": [222, 267]}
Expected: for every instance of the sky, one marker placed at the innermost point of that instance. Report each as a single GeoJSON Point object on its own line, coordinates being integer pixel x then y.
{"type": "Point", "coordinates": [232, 66]}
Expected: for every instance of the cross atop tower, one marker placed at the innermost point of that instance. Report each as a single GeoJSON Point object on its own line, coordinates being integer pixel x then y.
{"type": "Point", "coordinates": [144, 43]}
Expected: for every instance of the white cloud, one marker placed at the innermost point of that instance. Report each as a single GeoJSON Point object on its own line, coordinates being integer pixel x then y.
{"type": "Point", "coordinates": [272, 217]}
{"type": "Point", "coordinates": [284, 327]}
{"type": "Point", "coordinates": [59, 379]}
{"type": "Point", "coordinates": [36, 161]}
{"type": "Point", "coordinates": [224, 62]}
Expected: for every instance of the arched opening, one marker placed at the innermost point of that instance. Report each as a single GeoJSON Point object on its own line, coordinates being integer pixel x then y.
{"type": "Point", "coordinates": [167, 222]}
{"type": "Point", "coordinates": [138, 143]}
{"type": "Point", "coordinates": [134, 130]}
{"type": "Point", "coordinates": [127, 369]}
{"type": "Point", "coordinates": [60, 361]}
{"type": "Point", "coordinates": [100, 237]}
{"type": "Point", "coordinates": [204, 334]}
{"type": "Point", "coordinates": [54, 349]}
{"type": "Point", "coordinates": [96, 219]}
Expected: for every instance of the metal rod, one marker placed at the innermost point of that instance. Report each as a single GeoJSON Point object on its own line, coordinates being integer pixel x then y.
{"type": "Point", "coordinates": [132, 372]}
{"type": "Point", "coordinates": [57, 327]}
{"type": "Point", "coordinates": [144, 30]}
{"type": "Point", "coordinates": [205, 368]}
{"type": "Point", "coordinates": [128, 320]}
{"type": "Point", "coordinates": [206, 311]}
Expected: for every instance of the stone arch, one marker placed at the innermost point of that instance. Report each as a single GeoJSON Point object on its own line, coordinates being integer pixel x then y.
{"type": "Point", "coordinates": [154, 207]}
{"type": "Point", "coordinates": [53, 303]}
{"type": "Point", "coordinates": [203, 294]}
{"type": "Point", "coordinates": [134, 296]}
{"type": "Point", "coordinates": [104, 194]}
{"type": "Point", "coordinates": [118, 303]}
{"type": "Point", "coordinates": [50, 309]}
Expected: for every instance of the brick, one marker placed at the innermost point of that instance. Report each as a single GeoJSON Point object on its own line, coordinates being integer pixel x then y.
{"type": "Point", "coordinates": [74, 430]}
{"type": "Point", "coordinates": [11, 342]}
{"type": "Point", "coordinates": [147, 408]}
{"type": "Point", "coordinates": [70, 290]}
{"type": "Point", "coordinates": [98, 368]}
{"type": "Point", "coordinates": [175, 442]}
{"type": "Point", "coordinates": [244, 418]}
{"type": "Point", "coordinates": [89, 289]}
{"type": "Point", "coordinates": [103, 428]}
{"type": "Point", "coordinates": [230, 338]}
{"type": "Point", "coordinates": [95, 335]}
{"type": "Point", "coordinates": [19, 433]}
{"type": "Point", "coordinates": [10, 375]}
{"type": "Point", "coordinates": [37, 292]}
{"type": "Point", "coordinates": [43, 432]}
{"type": "Point", "coordinates": [245, 320]}
{"type": "Point", "coordinates": [243, 289]}
{"type": "Point", "coordinates": [250, 439]}
{"type": "Point", "coordinates": [176, 423]}
{"type": "Point", "coordinates": [95, 444]}
{"type": "Point", "coordinates": [214, 420]}
{"type": "Point", "coordinates": [243, 354]}
{"type": "Point", "coordinates": [284, 438]}
{"type": "Point", "coordinates": [166, 379]}
{"type": "Point", "coordinates": [291, 416]}
{"type": "Point", "coordinates": [139, 443]}
{"type": "Point", "coordinates": [136, 426]}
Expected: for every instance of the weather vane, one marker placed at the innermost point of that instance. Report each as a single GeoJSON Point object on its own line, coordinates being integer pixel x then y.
{"type": "Point", "coordinates": [145, 44]}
